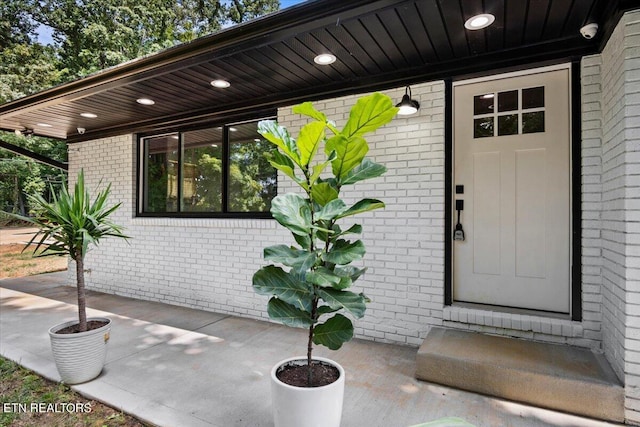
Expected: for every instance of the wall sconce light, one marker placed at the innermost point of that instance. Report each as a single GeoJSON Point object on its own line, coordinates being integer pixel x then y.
{"type": "Point", "coordinates": [24, 132]}
{"type": "Point", "coordinates": [407, 106]}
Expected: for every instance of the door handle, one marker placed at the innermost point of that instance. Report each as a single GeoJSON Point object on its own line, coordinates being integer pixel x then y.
{"type": "Point", "coordinates": [458, 232]}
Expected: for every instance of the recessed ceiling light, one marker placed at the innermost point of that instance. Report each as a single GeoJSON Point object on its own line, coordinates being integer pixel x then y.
{"type": "Point", "coordinates": [479, 22]}
{"type": "Point", "coordinates": [145, 101]}
{"type": "Point", "coordinates": [233, 129]}
{"type": "Point", "coordinates": [324, 59]}
{"type": "Point", "coordinates": [43, 125]}
{"type": "Point", "coordinates": [220, 83]}
{"type": "Point", "coordinates": [89, 115]}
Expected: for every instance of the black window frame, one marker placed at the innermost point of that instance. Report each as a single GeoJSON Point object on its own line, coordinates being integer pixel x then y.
{"type": "Point", "coordinates": [140, 168]}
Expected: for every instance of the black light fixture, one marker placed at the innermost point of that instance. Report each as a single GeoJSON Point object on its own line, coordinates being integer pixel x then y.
{"type": "Point", "coordinates": [407, 106]}
{"type": "Point", "coordinates": [24, 132]}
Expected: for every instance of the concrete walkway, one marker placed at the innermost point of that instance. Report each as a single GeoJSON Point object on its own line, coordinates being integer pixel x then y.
{"type": "Point", "coordinates": [22, 235]}
{"type": "Point", "coordinates": [173, 366]}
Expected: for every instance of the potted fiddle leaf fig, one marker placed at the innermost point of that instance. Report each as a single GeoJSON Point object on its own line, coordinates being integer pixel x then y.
{"type": "Point", "coordinates": [68, 226]}
{"type": "Point", "coordinates": [312, 291]}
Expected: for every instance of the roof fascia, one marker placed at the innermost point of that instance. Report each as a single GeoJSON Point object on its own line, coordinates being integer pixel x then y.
{"type": "Point", "coordinates": [33, 156]}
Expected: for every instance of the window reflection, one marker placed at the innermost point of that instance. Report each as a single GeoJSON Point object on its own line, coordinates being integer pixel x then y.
{"type": "Point", "coordinates": [161, 174]}
{"type": "Point", "coordinates": [252, 181]}
{"type": "Point", "coordinates": [202, 171]}
{"type": "Point", "coordinates": [483, 128]}
{"type": "Point", "coordinates": [217, 170]}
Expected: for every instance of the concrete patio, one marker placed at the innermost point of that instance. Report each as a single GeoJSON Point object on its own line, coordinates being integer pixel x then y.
{"type": "Point", "coordinates": [173, 366]}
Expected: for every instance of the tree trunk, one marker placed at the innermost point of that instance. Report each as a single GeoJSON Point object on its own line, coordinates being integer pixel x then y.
{"type": "Point", "coordinates": [82, 304]}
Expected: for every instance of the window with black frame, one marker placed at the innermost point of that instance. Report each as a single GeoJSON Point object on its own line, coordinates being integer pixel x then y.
{"type": "Point", "coordinates": [216, 171]}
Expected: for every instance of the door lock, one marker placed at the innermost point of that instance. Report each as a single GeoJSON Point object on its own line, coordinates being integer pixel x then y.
{"type": "Point", "coordinates": [458, 232]}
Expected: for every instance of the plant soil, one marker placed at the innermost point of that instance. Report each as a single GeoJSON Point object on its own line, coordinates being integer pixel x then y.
{"type": "Point", "coordinates": [296, 375]}
{"type": "Point", "coordinates": [74, 329]}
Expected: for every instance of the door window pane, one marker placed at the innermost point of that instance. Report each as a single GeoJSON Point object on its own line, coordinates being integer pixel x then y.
{"type": "Point", "coordinates": [533, 122]}
{"type": "Point", "coordinates": [508, 101]}
{"type": "Point", "coordinates": [483, 104]}
{"type": "Point", "coordinates": [202, 171]}
{"type": "Point", "coordinates": [161, 174]}
{"type": "Point", "coordinates": [483, 128]}
{"type": "Point", "coordinates": [508, 125]}
{"type": "Point", "coordinates": [533, 97]}
{"type": "Point", "coordinates": [252, 180]}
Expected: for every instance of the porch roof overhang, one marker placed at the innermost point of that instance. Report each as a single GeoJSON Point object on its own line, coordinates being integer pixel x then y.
{"type": "Point", "coordinates": [269, 61]}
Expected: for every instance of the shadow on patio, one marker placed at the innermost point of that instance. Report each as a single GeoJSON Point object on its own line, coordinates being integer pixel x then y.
{"type": "Point", "coordinates": [174, 366]}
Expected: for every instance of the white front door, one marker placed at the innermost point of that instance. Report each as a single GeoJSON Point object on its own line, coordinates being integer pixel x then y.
{"type": "Point", "coordinates": [512, 170]}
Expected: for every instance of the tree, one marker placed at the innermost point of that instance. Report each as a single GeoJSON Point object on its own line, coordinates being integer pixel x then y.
{"type": "Point", "coordinates": [90, 35]}
{"type": "Point", "coordinates": [16, 27]}
{"type": "Point", "coordinates": [69, 225]}
{"type": "Point", "coordinates": [20, 177]}
{"type": "Point", "coordinates": [96, 34]}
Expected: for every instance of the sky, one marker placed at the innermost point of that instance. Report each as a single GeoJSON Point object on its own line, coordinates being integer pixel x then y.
{"type": "Point", "coordinates": [44, 32]}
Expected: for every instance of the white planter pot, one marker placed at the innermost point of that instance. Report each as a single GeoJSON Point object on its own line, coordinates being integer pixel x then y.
{"type": "Point", "coordinates": [80, 357]}
{"type": "Point", "coordinates": [307, 406]}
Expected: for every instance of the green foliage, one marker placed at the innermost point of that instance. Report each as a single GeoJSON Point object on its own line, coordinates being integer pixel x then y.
{"type": "Point", "coordinates": [70, 224]}
{"type": "Point", "coordinates": [314, 291]}
{"type": "Point", "coordinates": [20, 176]}
{"type": "Point", "coordinates": [91, 35]}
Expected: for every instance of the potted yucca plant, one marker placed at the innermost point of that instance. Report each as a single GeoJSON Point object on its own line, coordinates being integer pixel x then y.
{"type": "Point", "coordinates": [312, 291]}
{"type": "Point", "coordinates": [68, 226]}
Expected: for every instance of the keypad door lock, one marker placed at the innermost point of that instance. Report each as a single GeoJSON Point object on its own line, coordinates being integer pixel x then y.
{"type": "Point", "coordinates": [458, 232]}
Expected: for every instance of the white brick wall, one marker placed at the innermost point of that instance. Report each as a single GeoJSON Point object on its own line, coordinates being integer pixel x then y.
{"type": "Point", "coordinates": [611, 131]}
{"type": "Point", "coordinates": [208, 263]}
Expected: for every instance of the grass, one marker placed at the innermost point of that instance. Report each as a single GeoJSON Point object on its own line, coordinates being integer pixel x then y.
{"type": "Point", "coordinates": [16, 263]}
{"type": "Point", "coordinates": [29, 400]}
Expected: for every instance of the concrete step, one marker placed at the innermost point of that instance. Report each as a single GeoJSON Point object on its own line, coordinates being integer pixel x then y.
{"type": "Point", "coordinates": [552, 376]}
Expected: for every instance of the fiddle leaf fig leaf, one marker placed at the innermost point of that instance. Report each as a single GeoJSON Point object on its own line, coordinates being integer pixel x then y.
{"type": "Point", "coordinates": [323, 277]}
{"type": "Point", "coordinates": [354, 229]}
{"type": "Point", "coordinates": [307, 109]}
{"type": "Point", "coordinates": [365, 170]}
{"type": "Point", "coordinates": [272, 280]}
{"type": "Point", "coordinates": [334, 332]}
{"type": "Point", "coordinates": [350, 271]}
{"type": "Point", "coordinates": [349, 301]}
{"type": "Point", "coordinates": [349, 153]}
{"type": "Point", "coordinates": [325, 309]}
{"type": "Point", "coordinates": [293, 212]}
{"type": "Point", "coordinates": [363, 205]}
{"type": "Point", "coordinates": [343, 252]}
{"type": "Point", "coordinates": [289, 256]}
{"type": "Point", "coordinates": [279, 136]}
{"type": "Point", "coordinates": [369, 113]}
{"type": "Point", "coordinates": [331, 210]}
{"type": "Point", "coordinates": [303, 240]}
{"type": "Point", "coordinates": [287, 314]}
{"type": "Point", "coordinates": [323, 193]}
{"type": "Point", "coordinates": [311, 135]}
{"type": "Point", "coordinates": [284, 164]}
{"type": "Point", "coordinates": [319, 168]}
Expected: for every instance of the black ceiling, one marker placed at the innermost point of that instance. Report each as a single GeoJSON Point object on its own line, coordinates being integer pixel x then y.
{"type": "Point", "coordinates": [269, 62]}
